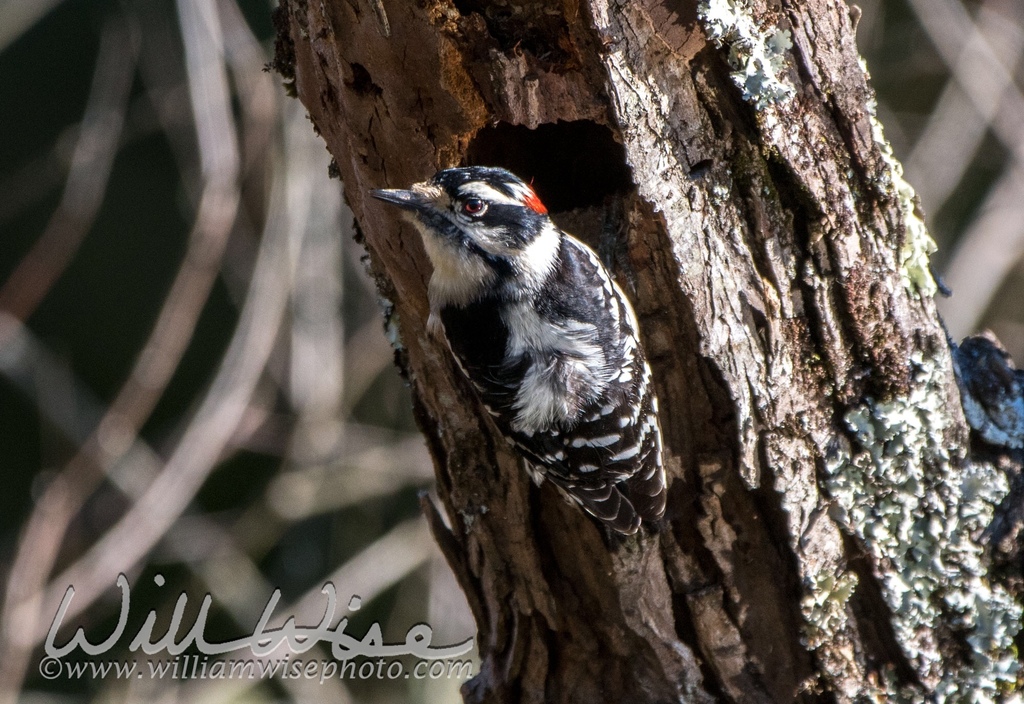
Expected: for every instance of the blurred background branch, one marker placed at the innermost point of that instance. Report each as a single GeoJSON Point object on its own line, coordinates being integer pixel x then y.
{"type": "Point", "coordinates": [194, 378]}
{"type": "Point", "coordinates": [228, 281]}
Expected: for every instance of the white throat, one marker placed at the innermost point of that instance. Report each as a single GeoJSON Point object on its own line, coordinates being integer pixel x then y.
{"type": "Point", "coordinates": [459, 275]}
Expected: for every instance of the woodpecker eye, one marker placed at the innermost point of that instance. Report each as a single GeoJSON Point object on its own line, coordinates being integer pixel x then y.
{"type": "Point", "coordinates": [474, 206]}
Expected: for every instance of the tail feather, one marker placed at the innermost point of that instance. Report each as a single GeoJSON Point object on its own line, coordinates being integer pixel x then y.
{"type": "Point", "coordinates": [645, 491]}
{"type": "Point", "coordinates": [606, 503]}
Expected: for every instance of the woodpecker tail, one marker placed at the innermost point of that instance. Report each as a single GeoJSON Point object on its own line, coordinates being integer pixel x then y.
{"type": "Point", "coordinates": [645, 491]}
{"type": "Point", "coordinates": [604, 502]}
{"type": "Point", "coordinates": [622, 506]}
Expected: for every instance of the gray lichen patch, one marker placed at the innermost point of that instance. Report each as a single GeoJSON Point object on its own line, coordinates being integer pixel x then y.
{"type": "Point", "coordinates": [757, 56]}
{"type": "Point", "coordinates": [392, 327]}
{"type": "Point", "coordinates": [824, 606]}
{"type": "Point", "coordinates": [920, 508]}
{"type": "Point", "coordinates": [918, 245]}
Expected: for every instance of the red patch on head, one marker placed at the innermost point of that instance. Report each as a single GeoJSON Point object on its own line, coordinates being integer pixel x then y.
{"type": "Point", "coordinates": [531, 201]}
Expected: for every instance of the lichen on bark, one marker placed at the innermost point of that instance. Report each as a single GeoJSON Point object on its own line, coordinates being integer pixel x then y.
{"type": "Point", "coordinates": [756, 54]}
{"type": "Point", "coordinates": [909, 494]}
{"type": "Point", "coordinates": [725, 158]}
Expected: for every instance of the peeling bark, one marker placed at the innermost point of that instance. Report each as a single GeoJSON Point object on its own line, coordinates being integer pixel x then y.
{"type": "Point", "coordinates": [725, 160]}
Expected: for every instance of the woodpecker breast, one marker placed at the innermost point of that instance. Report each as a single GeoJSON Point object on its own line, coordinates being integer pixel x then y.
{"type": "Point", "coordinates": [547, 339]}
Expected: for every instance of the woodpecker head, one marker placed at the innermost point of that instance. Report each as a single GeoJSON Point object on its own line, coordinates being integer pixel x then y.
{"type": "Point", "coordinates": [483, 228]}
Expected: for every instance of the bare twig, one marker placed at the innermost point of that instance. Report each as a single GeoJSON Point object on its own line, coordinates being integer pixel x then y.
{"type": "Point", "coordinates": [323, 488]}
{"type": "Point", "coordinates": [988, 82]}
{"type": "Point", "coordinates": [302, 233]}
{"type": "Point", "coordinates": [389, 559]}
{"type": "Point", "coordinates": [368, 355]}
{"type": "Point", "coordinates": [202, 442]}
{"type": "Point", "coordinates": [25, 359]}
{"type": "Point", "coordinates": [83, 192]}
{"type": "Point", "coordinates": [18, 16]}
{"type": "Point", "coordinates": [218, 416]}
{"type": "Point", "coordinates": [317, 362]}
{"type": "Point", "coordinates": [982, 72]}
{"type": "Point", "coordinates": [115, 433]}
{"type": "Point", "coordinates": [256, 90]}
{"type": "Point", "coordinates": [986, 254]}
{"type": "Point", "coordinates": [87, 179]}
{"type": "Point", "coordinates": [958, 123]}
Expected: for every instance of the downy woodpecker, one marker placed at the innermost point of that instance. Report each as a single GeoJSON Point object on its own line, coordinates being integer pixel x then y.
{"type": "Point", "coordinates": [546, 337]}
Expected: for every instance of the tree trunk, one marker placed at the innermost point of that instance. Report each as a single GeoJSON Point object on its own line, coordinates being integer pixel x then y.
{"type": "Point", "coordinates": [823, 537]}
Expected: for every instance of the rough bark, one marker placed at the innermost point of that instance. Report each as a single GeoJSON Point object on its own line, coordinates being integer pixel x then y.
{"type": "Point", "coordinates": [825, 516]}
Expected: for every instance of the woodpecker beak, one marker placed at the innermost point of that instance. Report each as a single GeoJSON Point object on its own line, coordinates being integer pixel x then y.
{"type": "Point", "coordinates": [406, 200]}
